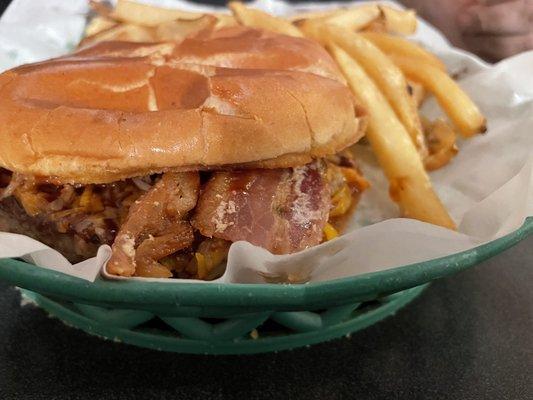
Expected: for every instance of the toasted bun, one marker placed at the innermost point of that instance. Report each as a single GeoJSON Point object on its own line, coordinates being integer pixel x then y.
{"type": "Point", "coordinates": [236, 96]}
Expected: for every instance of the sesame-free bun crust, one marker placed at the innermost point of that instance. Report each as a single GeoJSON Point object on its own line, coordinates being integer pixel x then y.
{"type": "Point", "coordinates": [230, 98]}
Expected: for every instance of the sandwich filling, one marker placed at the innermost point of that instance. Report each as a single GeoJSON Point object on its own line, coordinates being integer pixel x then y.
{"type": "Point", "coordinates": [181, 224]}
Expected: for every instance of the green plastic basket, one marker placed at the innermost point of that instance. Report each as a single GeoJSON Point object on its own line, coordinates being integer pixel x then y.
{"type": "Point", "coordinates": [236, 318]}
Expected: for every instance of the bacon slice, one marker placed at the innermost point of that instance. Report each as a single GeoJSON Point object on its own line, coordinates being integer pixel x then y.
{"type": "Point", "coordinates": [156, 218]}
{"type": "Point", "coordinates": [281, 210]}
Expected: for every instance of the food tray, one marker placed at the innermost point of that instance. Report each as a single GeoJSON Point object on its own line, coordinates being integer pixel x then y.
{"type": "Point", "coordinates": [221, 318]}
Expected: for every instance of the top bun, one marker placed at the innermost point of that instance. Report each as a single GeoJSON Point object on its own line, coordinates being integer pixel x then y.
{"type": "Point", "coordinates": [231, 97]}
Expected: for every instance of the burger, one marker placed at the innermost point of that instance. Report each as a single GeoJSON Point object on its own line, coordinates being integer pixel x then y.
{"type": "Point", "coordinates": [169, 152]}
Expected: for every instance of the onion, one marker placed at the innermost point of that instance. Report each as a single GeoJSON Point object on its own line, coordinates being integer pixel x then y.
{"type": "Point", "coordinates": [57, 204]}
{"type": "Point", "coordinates": [83, 225]}
{"type": "Point", "coordinates": [144, 186]}
{"type": "Point", "coordinates": [16, 181]}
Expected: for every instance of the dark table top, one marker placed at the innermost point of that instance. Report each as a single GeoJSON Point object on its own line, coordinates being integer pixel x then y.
{"type": "Point", "coordinates": [466, 337]}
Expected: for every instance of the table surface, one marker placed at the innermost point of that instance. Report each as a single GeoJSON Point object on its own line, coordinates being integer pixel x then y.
{"type": "Point", "coordinates": [466, 337]}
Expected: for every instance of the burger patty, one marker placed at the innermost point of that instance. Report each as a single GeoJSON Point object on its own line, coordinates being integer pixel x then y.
{"type": "Point", "coordinates": [73, 219]}
{"type": "Point", "coordinates": [182, 224]}
{"type": "Point", "coordinates": [13, 218]}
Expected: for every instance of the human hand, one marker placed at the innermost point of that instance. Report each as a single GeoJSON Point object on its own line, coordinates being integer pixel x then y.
{"type": "Point", "coordinates": [496, 29]}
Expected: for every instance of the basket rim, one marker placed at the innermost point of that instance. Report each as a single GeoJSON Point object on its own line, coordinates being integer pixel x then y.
{"type": "Point", "coordinates": [135, 294]}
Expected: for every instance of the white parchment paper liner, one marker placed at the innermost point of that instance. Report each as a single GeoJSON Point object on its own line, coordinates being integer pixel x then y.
{"type": "Point", "coordinates": [488, 188]}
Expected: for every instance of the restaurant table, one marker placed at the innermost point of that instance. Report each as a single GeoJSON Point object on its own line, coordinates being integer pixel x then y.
{"type": "Point", "coordinates": [469, 336]}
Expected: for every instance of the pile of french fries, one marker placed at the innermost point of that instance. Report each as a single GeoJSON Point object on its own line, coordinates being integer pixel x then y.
{"type": "Point", "coordinates": [389, 75]}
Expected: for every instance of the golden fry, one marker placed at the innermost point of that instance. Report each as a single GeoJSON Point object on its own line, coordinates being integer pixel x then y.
{"type": "Point", "coordinates": [409, 183]}
{"type": "Point", "coordinates": [417, 92]}
{"type": "Point", "coordinates": [313, 29]}
{"type": "Point", "coordinates": [149, 16]}
{"type": "Point", "coordinates": [180, 29]}
{"type": "Point", "coordinates": [388, 77]}
{"type": "Point", "coordinates": [402, 22]}
{"type": "Point", "coordinates": [259, 19]}
{"type": "Point", "coordinates": [357, 18]}
{"type": "Point", "coordinates": [122, 32]}
{"type": "Point", "coordinates": [395, 45]}
{"type": "Point", "coordinates": [314, 14]}
{"type": "Point", "coordinates": [353, 19]}
{"type": "Point", "coordinates": [376, 26]}
{"type": "Point", "coordinates": [224, 20]}
{"type": "Point", "coordinates": [98, 24]}
{"type": "Point", "coordinates": [454, 101]}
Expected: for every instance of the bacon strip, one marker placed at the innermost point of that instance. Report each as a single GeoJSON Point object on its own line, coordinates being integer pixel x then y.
{"type": "Point", "coordinates": [156, 218]}
{"type": "Point", "coordinates": [282, 210]}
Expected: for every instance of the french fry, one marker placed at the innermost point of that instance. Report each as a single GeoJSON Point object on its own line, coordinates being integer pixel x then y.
{"type": "Point", "coordinates": [409, 183]}
{"type": "Point", "coordinates": [376, 26]}
{"type": "Point", "coordinates": [388, 77]}
{"type": "Point", "coordinates": [259, 19]}
{"type": "Point", "coordinates": [455, 102]}
{"type": "Point", "coordinates": [179, 29]}
{"type": "Point", "coordinates": [396, 45]}
{"type": "Point", "coordinates": [353, 18]}
{"type": "Point", "coordinates": [98, 24]}
{"type": "Point", "coordinates": [417, 92]}
{"type": "Point", "coordinates": [224, 20]}
{"type": "Point", "coordinates": [313, 29]}
{"type": "Point", "coordinates": [313, 15]}
{"type": "Point", "coordinates": [123, 32]}
{"type": "Point", "coordinates": [149, 16]}
{"type": "Point", "coordinates": [390, 19]}
{"type": "Point", "coordinates": [402, 22]}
